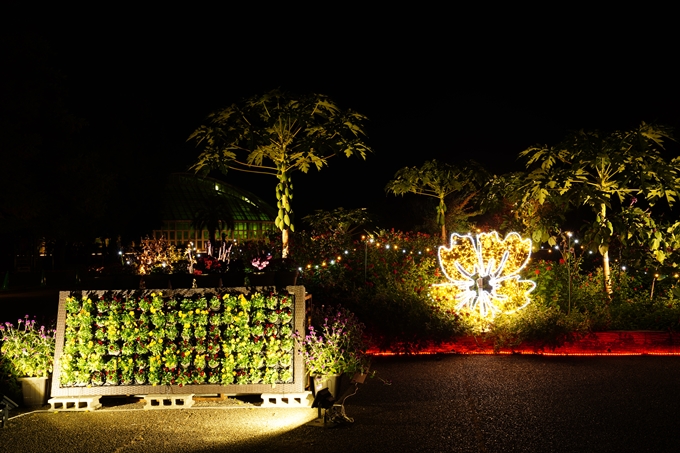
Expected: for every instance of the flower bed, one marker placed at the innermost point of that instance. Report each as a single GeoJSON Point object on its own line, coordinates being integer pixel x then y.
{"type": "Point", "coordinates": [119, 342]}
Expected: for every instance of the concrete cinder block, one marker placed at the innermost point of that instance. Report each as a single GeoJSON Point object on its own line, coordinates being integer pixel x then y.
{"type": "Point", "coordinates": [175, 401]}
{"type": "Point", "coordinates": [302, 399]}
{"type": "Point", "coordinates": [75, 403]}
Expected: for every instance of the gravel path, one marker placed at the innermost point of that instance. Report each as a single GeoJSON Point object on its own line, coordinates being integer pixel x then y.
{"type": "Point", "coordinates": [434, 403]}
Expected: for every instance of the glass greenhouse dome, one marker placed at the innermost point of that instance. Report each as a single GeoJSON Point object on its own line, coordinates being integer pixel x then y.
{"type": "Point", "coordinates": [193, 202]}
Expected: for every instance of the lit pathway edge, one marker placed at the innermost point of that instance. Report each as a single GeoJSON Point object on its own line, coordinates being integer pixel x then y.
{"type": "Point", "coordinates": [628, 343]}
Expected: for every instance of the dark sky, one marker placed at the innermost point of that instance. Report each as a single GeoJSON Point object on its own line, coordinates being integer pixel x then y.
{"type": "Point", "coordinates": [432, 84]}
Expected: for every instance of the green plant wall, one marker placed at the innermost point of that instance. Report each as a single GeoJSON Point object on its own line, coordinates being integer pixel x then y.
{"type": "Point", "coordinates": [165, 338]}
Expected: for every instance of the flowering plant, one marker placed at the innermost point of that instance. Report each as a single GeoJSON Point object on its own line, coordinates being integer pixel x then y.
{"type": "Point", "coordinates": [261, 262]}
{"type": "Point", "coordinates": [28, 350]}
{"type": "Point", "coordinates": [206, 264]}
{"type": "Point", "coordinates": [336, 346]}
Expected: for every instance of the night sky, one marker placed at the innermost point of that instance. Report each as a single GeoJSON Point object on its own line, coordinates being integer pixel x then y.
{"type": "Point", "coordinates": [432, 86]}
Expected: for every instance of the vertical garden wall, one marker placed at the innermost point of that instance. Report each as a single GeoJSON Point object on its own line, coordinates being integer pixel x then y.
{"type": "Point", "coordinates": [226, 340]}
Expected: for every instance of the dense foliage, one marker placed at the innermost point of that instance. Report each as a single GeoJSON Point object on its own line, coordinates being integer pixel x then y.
{"type": "Point", "coordinates": [569, 304]}
{"type": "Point", "coordinates": [333, 343]}
{"type": "Point", "coordinates": [26, 349]}
{"type": "Point", "coordinates": [609, 173]}
{"type": "Point", "coordinates": [149, 338]}
{"type": "Point", "coordinates": [384, 279]}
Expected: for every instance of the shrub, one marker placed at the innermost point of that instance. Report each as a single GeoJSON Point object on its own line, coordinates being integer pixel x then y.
{"type": "Point", "coordinates": [630, 306]}
{"type": "Point", "coordinates": [26, 349]}
{"type": "Point", "coordinates": [334, 343]}
{"type": "Point", "coordinates": [385, 282]}
{"type": "Point", "coordinates": [539, 325]}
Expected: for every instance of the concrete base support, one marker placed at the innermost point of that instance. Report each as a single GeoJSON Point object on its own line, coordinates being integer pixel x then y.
{"type": "Point", "coordinates": [303, 399]}
{"type": "Point", "coordinates": [175, 401]}
{"type": "Point", "coordinates": [75, 403]}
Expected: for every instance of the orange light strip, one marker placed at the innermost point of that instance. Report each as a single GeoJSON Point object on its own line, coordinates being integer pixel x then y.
{"type": "Point", "coordinates": [608, 343]}
{"type": "Point", "coordinates": [562, 354]}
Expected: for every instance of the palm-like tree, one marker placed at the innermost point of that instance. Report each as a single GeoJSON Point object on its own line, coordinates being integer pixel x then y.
{"type": "Point", "coordinates": [215, 216]}
{"type": "Point", "coordinates": [278, 134]}
{"type": "Point", "coordinates": [439, 180]}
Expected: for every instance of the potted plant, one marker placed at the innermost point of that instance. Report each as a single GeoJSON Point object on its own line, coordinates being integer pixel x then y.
{"type": "Point", "coordinates": [333, 345]}
{"type": "Point", "coordinates": [28, 353]}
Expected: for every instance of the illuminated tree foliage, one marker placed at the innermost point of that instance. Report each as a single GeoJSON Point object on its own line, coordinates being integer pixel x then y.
{"type": "Point", "coordinates": [277, 134]}
{"type": "Point", "coordinates": [604, 172]}
{"type": "Point", "coordinates": [438, 180]}
{"type": "Point", "coordinates": [339, 220]}
{"type": "Point", "coordinates": [505, 209]}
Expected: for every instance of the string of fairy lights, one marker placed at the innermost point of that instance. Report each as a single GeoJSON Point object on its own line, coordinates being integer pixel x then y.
{"type": "Point", "coordinates": [368, 242]}
{"type": "Point", "coordinates": [572, 244]}
{"type": "Point", "coordinates": [570, 247]}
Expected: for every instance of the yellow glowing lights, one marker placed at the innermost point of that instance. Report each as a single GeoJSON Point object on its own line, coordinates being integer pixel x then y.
{"type": "Point", "coordinates": [483, 273]}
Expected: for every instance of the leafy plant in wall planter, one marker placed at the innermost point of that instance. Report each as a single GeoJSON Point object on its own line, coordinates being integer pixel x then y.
{"type": "Point", "coordinates": [213, 377]}
{"type": "Point", "coordinates": [155, 374]}
{"type": "Point", "coordinates": [126, 372]}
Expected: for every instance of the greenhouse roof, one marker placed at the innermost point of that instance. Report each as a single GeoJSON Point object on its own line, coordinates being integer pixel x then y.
{"type": "Point", "coordinates": [186, 194]}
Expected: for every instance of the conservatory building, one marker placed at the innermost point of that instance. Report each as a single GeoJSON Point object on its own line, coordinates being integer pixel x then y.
{"type": "Point", "coordinates": [193, 204]}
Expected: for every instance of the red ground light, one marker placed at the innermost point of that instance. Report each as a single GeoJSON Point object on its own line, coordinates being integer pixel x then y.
{"type": "Point", "coordinates": [640, 342]}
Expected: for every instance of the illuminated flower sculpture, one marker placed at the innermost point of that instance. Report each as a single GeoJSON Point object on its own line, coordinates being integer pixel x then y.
{"type": "Point", "coordinates": [483, 274]}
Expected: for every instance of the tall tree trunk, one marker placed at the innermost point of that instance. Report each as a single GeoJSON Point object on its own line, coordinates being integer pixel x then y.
{"type": "Point", "coordinates": [604, 250]}
{"type": "Point", "coordinates": [607, 272]}
{"type": "Point", "coordinates": [441, 217]}
{"type": "Point", "coordinates": [284, 240]}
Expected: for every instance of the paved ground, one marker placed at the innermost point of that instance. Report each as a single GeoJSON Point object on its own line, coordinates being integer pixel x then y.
{"type": "Point", "coordinates": [445, 403]}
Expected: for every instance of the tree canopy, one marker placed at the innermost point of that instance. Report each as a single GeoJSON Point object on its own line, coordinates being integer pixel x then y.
{"type": "Point", "coordinates": [338, 220]}
{"type": "Point", "coordinates": [214, 215]}
{"type": "Point", "coordinates": [438, 180]}
{"type": "Point", "coordinates": [278, 133]}
{"type": "Point", "coordinates": [604, 171]}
